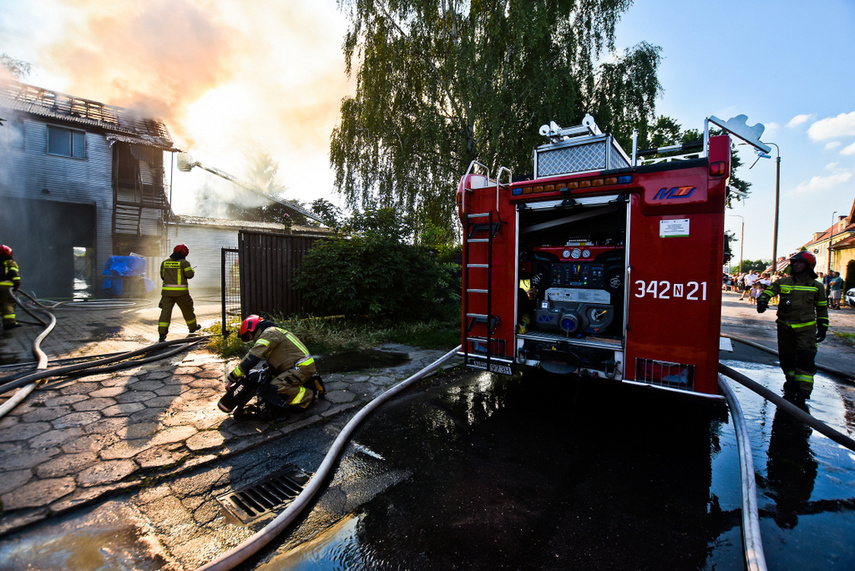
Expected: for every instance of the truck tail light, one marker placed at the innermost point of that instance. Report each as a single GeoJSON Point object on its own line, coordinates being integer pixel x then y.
{"type": "Point", "coordinates": [572, 185]}
{"type": "Point", "coordinates": [718, 168]}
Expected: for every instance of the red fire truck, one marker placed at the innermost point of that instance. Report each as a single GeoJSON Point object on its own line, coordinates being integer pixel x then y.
{"type": "Point", "coordinates": [602, 265]}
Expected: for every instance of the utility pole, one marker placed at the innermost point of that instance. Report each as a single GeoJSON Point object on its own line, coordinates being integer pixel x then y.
{"type": "Point", "coordinates": [777, 201]}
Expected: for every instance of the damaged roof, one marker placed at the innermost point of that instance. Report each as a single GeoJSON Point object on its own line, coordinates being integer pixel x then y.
{"type": "Point", "coordinates": [249, 225]}
{"type": "Point", "coordinates": [119, 123]}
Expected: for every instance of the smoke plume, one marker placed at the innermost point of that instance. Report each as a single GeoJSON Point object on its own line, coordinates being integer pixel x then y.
{"type": "Point", "coordinates": [224, 75]}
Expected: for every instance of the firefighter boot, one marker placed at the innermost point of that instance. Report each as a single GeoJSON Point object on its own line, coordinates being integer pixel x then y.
{"type": "Point", "coordinates": [791, 385]}
{"type": "Point", "coordinates": [791, 388]}
{"type": "Point", "coordinates": [269, 396]}
{"type": "Point", "coordinates": [261, 413]}
{"type": "Point", "coordinates": [317, 385]}
{"type": "Point", "coordinates": [805, 389]}
{"type": "Point", "coordinates": [273, 413]}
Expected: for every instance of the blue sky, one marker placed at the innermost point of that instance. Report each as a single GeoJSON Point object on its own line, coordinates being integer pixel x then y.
{"type": "Point", "coordinates": [197, 63]}
{"type": "Point", "coordinates": [785, 64]}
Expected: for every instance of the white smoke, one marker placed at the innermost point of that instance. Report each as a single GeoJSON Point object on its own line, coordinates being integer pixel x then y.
{"type": "Point", "coordinates": [224, 75]}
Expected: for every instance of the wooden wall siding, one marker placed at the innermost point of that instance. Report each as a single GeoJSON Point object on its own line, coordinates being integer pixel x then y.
{"type": "Point", "coordinates": [27, 171]}
{"type": "Point", "coordinates": [267, 266]}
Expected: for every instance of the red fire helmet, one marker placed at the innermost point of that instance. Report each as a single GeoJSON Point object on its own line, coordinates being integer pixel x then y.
{"type": "Point", "coordinates": [806, 257]}
{"type": "Point", "coordinates": [248, 327]}
{"type": "Point", "coordinates": [5, 250]}
{"type": "Point", "coordinates": [181, 249]}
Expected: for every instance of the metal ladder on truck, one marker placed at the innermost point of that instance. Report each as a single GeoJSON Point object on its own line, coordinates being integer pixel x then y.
{"type": "Point", "coordinates": [480, 228]}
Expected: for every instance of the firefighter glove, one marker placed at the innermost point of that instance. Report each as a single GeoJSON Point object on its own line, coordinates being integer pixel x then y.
{"type": "Point", "coordinates": [762, 304]}
{"type": "Point", "coordinates": [820, 333]}
{"type": "Point", "coordinates": [16, 286]}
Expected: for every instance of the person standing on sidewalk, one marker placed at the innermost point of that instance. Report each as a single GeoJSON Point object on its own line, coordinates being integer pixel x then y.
{"type": "Point", "coordinates": [10, 281]}
{"type": "Point", "coordinates": [749, 282]}
{"type": "Point", "coordinates": [175, 271]}
{"type": "Point", "coordinates": [802, 322]}
{"type": "Point", "coordinates": [835, 286]}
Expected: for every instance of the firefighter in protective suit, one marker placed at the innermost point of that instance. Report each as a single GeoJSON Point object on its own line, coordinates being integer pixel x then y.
{"type": "Point", "coordinates": [175, 271]}
{"type": "Point", "coordinates": [295, 382]}
{"type": "Point", "coordinates": [10, 280]}
{"type": "Point", "coordinates": [802, 322]}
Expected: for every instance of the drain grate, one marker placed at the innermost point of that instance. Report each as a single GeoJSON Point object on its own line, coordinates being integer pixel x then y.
{"type": "Point", "coordinates": [262, 497]}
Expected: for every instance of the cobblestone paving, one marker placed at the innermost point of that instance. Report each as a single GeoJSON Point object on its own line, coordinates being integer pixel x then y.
{"type": "Point", "coordinates": [75, 441]}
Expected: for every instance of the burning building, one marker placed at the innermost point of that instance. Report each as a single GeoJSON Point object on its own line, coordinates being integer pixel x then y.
{"type": "Point", "coordinates": [80, 181]}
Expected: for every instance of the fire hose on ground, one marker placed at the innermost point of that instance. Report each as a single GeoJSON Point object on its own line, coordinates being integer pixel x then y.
{"type": "Point", "coordinates": [752, 543]}
{"type": "Point", "coordinates": [754, 555]}
{"type": "Point", "coordinates": [252, 545]}
{"type": "Point", "coordinates": [29, 382]}
{"type": "Point", "coordinates": [755, 558]}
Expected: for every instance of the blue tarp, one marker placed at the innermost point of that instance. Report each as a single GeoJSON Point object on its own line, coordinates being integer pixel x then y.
{"type": "Point", "coordinates": [125, 276]}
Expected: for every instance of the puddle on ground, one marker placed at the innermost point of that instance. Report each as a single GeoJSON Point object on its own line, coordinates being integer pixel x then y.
{"type": "Point", "coordinates": [358, 360]}
{"type": "Point", "coordinates": [112, 537]}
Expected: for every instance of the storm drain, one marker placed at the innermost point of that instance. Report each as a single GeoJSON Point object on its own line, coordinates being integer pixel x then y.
{"type": "Point", "coordinates": [274, 491]}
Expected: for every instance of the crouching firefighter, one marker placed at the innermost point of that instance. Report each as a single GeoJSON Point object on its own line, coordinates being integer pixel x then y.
{"type": "Point", "coordinates": [289, 381]}
{"type": "Point", "coordinates": [802, 322]}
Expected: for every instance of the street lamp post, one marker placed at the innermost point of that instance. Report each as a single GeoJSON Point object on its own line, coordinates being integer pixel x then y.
{"type": "Point", "coordinates": [830, 238]}
{"type": "Point", "coordinates": [777, 200]}
{"type": "Point", "coordinates": [741, 239]}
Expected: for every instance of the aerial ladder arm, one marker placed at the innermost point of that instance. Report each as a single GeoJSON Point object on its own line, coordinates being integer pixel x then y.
{"type": "Point", "coordinates": [186, 164]}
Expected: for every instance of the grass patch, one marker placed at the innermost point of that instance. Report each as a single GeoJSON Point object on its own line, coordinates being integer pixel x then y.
{"type": "Point", "coordinates": [327, 336]}
{"type": "Point", "coordinates": [227, 347]}
{"type": "Point", "coordinates": [848, 337]}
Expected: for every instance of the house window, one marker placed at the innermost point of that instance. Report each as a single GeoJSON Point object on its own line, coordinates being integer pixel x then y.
{"type": "Point", "coordinates": [66, 143]}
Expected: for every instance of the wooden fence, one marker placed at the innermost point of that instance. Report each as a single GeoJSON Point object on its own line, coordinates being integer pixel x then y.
{"type": "Point", "coordinates": [267, 264]}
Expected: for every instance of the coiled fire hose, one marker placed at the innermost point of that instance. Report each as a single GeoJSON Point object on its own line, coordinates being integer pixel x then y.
{"type": "Point", "coordinates": [30, 381]}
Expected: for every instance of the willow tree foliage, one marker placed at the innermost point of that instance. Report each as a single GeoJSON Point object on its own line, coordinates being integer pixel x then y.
{"type": "Point", "coordinates": [440, 83]}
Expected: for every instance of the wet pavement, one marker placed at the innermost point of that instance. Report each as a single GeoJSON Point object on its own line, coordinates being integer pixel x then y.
{"type": "Point", "coordinates": [740, 320]}
{"type": "Point", "coordinates": [147, 448]}
{"type": "Point", "coordinates": [76, 442]}
{"type": "Point", "coordinates": [479, 475]}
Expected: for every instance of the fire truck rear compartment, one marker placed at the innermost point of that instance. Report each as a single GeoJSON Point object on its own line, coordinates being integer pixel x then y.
{"type": "Point", "coordinates": [573, 255]}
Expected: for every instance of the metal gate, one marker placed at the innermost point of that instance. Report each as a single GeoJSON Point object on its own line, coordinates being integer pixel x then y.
{"type": "Point", "coordinates": [258, 276]}
{"type": "Point", "coordinates": [230, 288]}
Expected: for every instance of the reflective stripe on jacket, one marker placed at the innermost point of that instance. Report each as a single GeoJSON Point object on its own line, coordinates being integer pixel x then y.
{"type": "Point", "coordinates": [10, 273]}
{"type": "Point", "coordinates": [802, 304]}
{"type": "Point", "coordinates": [282, 350]}
{"type": "Point", "coordinates": [175, 274]}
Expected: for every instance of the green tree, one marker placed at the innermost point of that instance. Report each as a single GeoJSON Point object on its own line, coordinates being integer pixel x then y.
{"type": "Point", "coordinates": [439, 84]}
{"type": "Point", "coordinates": [328, 212]}
{"type": "Point", "coordinates": [373, 271]}
{"type": "Point", "coordinates": [755, 265]}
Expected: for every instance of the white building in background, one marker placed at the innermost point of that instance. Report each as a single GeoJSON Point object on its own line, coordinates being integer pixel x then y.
{"type": "Point", "coordinates": [206, 238]}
